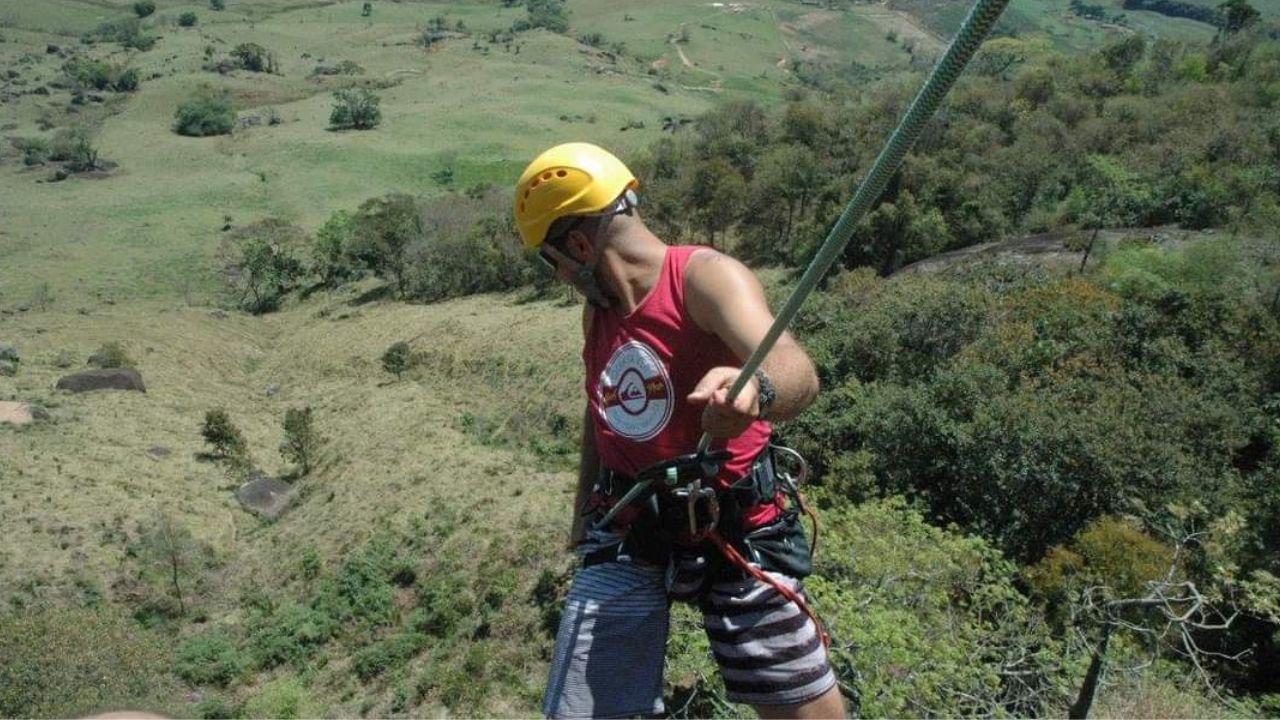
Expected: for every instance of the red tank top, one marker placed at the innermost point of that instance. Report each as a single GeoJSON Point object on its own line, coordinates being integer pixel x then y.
{"type": "Point", "coordinates": [642, 366]}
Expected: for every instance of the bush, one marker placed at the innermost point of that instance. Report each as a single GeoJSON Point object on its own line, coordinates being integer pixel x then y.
{"type": "Point", "coordinates": [128, 32]}
{"type": "Point", "coordinates": [35, 151]}
{"type": "Point", "coordinates": [74, 147]}
{"type": "Point", "coordinates": [330, 254]}
{"type": "Point", "coordinates": [218, 5]}
{"type": "Point", "coordinates": [210, 658]}
{"type": "Point", "coordinates": [207, 113]}
{"type": "Point", "coordinates": [71, 662]}
{"type": "Point", "coordinates": [289, 633]}
{"type": "Point", "coordinates": [227, 441]}
{"type": "Point", "coordinates": [111, 355]}
{"type": "Point", "coordinates": [255, 58]}
{"type": "Point", "coordinates": [397, 359]}
{"type": "Point", "coordinates": [301, 441]}
{"type": "Point", "coordinates": [143, 8]}
{"type": "Point", "coordinates": [355, 109]}
{"type": "Point", "coordinates": [99, 75]}
{"type": "Point", "coordinates": [259, 263]}
{"type": "Point", "coordinates": [214, 707]}
{"type": "Point", "coordinates": [187, 19]}
{"type": "Point", "coordinates": [376, 659]}
{"type": "Point", "coordinates": [283, 698]}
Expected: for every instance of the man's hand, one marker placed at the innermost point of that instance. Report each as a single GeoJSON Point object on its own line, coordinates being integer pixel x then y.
{"type": "Point", "coordinates": [720, 418]}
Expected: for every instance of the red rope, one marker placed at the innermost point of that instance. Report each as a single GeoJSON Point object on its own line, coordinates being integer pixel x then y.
{"type": "Point", "coordinates": [736, 558]}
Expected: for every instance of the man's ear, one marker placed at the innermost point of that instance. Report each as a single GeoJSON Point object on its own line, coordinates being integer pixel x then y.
{"type": "Point", "coordinates": [579, 246]}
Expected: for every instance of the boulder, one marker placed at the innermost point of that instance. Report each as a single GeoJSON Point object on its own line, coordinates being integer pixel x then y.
{"type": "Point", "coordinates": [17, 413]}
{"type": "Point", "coordinates": [111, 379]}
{"type": "Point", "coordinates": [273, 389]}
{"type": "Point", "coordinates": [158, 452]}
{"type": "Point", "coordinates": [265, 496]}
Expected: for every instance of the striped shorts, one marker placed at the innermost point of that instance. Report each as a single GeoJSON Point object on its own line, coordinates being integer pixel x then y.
{"type": "Point", "coordinates": [612, 641]}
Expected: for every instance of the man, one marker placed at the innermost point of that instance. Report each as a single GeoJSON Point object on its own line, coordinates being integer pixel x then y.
{"type": "Point", "coordinates": [666, 330]}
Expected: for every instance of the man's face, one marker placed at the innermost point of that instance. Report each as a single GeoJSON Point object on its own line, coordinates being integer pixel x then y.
{"type": "Point", "coordinates": [568, 268]}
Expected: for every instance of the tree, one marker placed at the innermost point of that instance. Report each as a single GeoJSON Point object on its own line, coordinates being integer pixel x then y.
{"type": "Point", "coordinates": [331, 253]}
{"type": "Point", "coordinates": [208, 112]}
{"type": "Point", "coordinates": [260, 265]}
{"type": "Point", "coordinates": [187, 19]}
{"type": "Point", "coordinates": [397, 358]}
{"type": "Point", "coordinates": [143, 8]}
{"type": "Point", "coordinates": [355, 109]}
{"type": "Point", "coordinates": [366, 10]}
{"type": "Point", "coordinates": [167, 548]}
{"type": "Point", "coordinates": [548, 14]}
{"type": "Point", "coordinates": [385, 228]}
{"type": "Point", "coordinates": [228, 443]}
{"type": "Point", "coordinates": [1233, 16]}
{"type": "Point", "coordinates": [255, 58]}
{"type": "Point", "coordinates": [301, 441]}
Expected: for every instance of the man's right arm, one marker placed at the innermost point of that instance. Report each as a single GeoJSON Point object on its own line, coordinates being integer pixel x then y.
{"type": "Point", "coordinates": [588, 472]}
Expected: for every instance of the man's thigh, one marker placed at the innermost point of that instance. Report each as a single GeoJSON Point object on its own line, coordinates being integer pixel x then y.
{"type": "Point", "coordinates": [609, 650]}
{"type": "Point", "coordinates": [768, 650]}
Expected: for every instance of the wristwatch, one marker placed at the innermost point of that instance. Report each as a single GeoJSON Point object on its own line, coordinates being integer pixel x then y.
{"type": "Point", "coordinates": [768, 393]}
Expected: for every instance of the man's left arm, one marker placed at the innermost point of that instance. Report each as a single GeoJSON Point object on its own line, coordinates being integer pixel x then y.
{"type": "Point", "coordinates": [725, 298]}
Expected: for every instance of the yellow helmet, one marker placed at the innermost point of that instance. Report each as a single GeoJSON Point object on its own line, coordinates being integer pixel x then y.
{"type": "Point", "coordinates": [568, 179]}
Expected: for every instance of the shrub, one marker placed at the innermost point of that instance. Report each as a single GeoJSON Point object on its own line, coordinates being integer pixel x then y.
{"type": "Point", "coordinates": [355, 109]}
{"type": "Point", "coordinates": [99, 75]}
{"type": "Point", "coordinates": [255, 58]}
{"type": "Point", "coordinates": [210, 658]}
{"type": "Point", "coordinates": [227, 441]}
{"type": "Point", "coordinates": [143, 8]}
{"type": "Point", "coordinates": [330, 254]}
{"type": "Point", "coordinates": [283, 698]}
{"type": "Point", "coordinates": [110, 355]}
{"type": "Point", "coordinates": [289, 633]}
{"type": "Point", "coordinates": [301, 441]}
{"type": "Point", "coordinates": [218, 5]}
{"type": "Point", "coordinates": [128, 32]}
{"type": "Point", "coordinates": [187, 19]}
{"type": "Point", "coordinates": [214, 707]}
{"type": "Point", "coordinates": [70, 662]}
{"type": "Point", "coordinates": [397, 359]}
{"type": "Point", "coordinates": [35, 151]}
{"type": "Point", "coordinates": [376, 659]}
{"type": "Point", "coordinates": [259, 263]}
{"type": "Point", "coordinates": [206, 113]}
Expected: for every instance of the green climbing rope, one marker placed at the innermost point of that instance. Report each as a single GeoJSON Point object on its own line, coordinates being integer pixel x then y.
{"type": "Point", "coordinates": [967, 41]}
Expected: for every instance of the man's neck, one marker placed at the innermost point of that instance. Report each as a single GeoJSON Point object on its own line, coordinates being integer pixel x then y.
{"type": "Point", "coordinates": [631, 267]}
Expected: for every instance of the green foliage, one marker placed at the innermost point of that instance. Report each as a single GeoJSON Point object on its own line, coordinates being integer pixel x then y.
{"type": "Point", "coordinates": [228, 443]}
{"type": "Point", "coordinates": [126, 31]}
{"type": "Point", "coordinates": [287, 633]}
{"type": "Point", "coordinates": [375, 660]}
{"type": "Point", "coordinates": [384, 230]}
{"type": "Point", "coordinates": [169, 558]}
{"type": "Point", "coordinates": [548, 14]}
{"type": "Point", "coordinates": [187, 19]}
{"type": "Point", "coordinates": [143, 8]}
{"type": "Point", "coordinates": [255, 58]}
{"type": "Point", "coordinates": [69, 662]}
{"type": "Point", "coordinates": [214, 707]}
{"type": "Point", "coordinates": [301, 440]}
{"type": "Point", "coordinates": [397, 359]}
{"type": "Point", "coordinates": [355, 109]}
{"type": "Point", "coordinates": [218, 5]}
{"type": "Point", "coordinates": [331, 256]}
{"type": "Point", "coordinates": [283, 698]}
{"type": "Point", "coordinates": [210, 658]}
{"type": "Point", "coordinates": [927, 622]}
{"type": "Point", "coordinates": [88, 74]}
{"type": "Point", "coordinates": [362, 590]}
{"type": "Point", "coordinates": [260, 265]}
{"type": "Point", "coordinates": [444, 605]}
{"type": "Point", "coordinates": [111, 355]}
{"type": "Point", "coordinates": [207, 112]}
{"type": "Point", "coordinates": [35, 151]}
{"type": "Point", "coordinates": [74, 146]}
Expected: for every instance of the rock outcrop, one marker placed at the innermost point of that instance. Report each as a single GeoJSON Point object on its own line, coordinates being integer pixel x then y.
{"type": "Point", "coordinates": [110, 379]}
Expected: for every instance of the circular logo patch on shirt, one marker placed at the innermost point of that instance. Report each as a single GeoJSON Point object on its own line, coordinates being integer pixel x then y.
{"type": "Point", "coordinates": [635, 392]}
